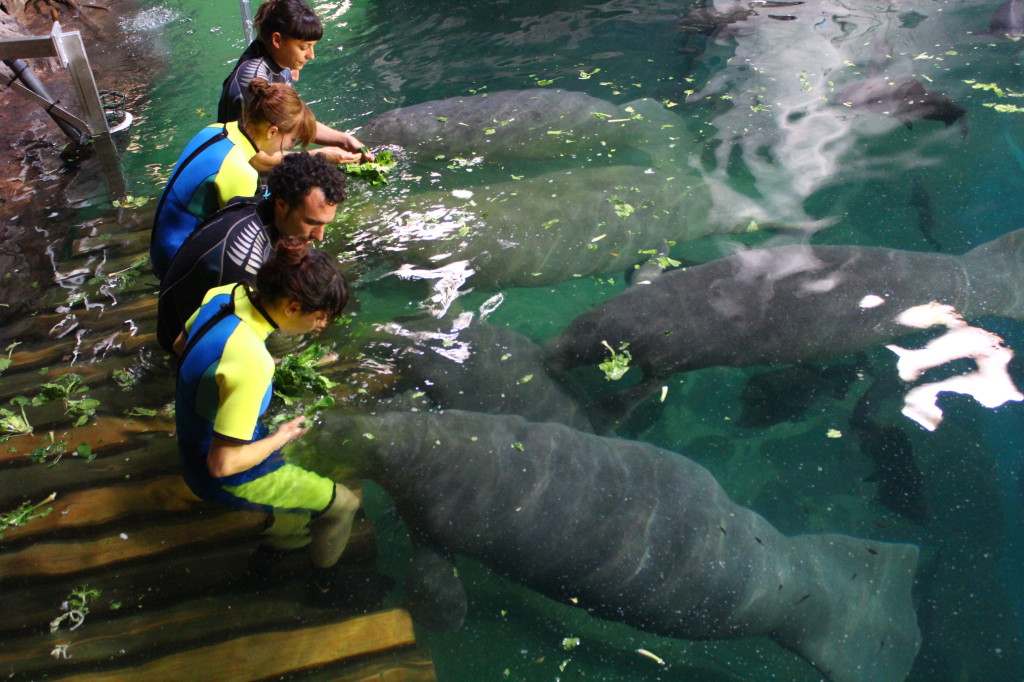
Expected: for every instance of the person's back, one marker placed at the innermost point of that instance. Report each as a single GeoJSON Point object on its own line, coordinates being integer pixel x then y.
{"type": "Point", "coordinates": [212, 169]}
{"type": "Point", "coordinates": [254, 63]}
{"type": "Point", "coordinates": [230, 247]}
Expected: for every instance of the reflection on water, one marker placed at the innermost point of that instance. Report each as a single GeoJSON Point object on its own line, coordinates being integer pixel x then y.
{"type": "Point", "coordinates": [723, 143]}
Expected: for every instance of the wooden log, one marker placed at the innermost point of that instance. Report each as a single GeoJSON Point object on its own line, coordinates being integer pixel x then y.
{"type": "Point", "coordinates": [271, 654]}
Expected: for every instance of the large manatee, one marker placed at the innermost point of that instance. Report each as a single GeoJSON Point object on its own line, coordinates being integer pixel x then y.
{"type": "Point", "coordinates": [539, 123]}
{"type": "Point", "coordinates": [628, 532]}
{"type": "Point", "coordinates": [788, 304]}
{"type": "Point", "coordinates": [580, 186]}
{"type": "Point", "coordinates": [592, 220]}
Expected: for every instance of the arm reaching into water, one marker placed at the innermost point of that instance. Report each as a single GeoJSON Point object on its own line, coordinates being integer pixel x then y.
{"type": "Point", "coordinates": [227, 458]}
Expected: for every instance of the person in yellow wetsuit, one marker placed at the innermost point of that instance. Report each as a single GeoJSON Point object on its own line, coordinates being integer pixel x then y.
{"type": "Point", "coordinates": [216, 165]}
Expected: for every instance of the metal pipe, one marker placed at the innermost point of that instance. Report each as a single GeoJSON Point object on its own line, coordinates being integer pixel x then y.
{"type": "Point", "coordinates": [27, 76]}
{"type": "Point", "coordinates": [247, 25]}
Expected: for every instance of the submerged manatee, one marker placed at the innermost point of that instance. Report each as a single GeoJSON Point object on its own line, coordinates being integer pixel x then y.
{"type": "Point", "coordinates": [629, 532]}
{"type": "Point", "coordinates": [904, 98]}
{"type": "Point", "coordinates": [788, 304]}
{"type": "Point", "coordinates": [481, 367]}
{"type": "Point", "coordinates": [593, 220]}
{"type": "Point", "coordinates": [538, 223]}
{"type": "Point", "coordinates": [538, 123]}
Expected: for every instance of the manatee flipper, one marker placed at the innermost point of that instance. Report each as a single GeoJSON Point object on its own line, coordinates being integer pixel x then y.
{"type": "Point", "coordinates": [433, 592]}
{"type": "Point", "coordinates": [860, 625]}
{"type": "Point", "coordinates": [609, 413]}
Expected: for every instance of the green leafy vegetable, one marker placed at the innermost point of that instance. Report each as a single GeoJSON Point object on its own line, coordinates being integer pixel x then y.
{"type": "Point", "coordinates": [75, 608]}
{"type": "Point", "coordinates": [25, 513]}
{"type": "Point", "coordinates": [617, 364]}
{"type": "Point", "coordinates": [374, 172]}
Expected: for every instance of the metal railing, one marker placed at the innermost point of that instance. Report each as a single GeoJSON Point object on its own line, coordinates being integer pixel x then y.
{"type": "Point", "coordinates": [70, 51]}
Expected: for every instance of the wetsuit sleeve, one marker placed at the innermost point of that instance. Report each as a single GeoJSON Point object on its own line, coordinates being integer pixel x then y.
{"type": "Point", "coordinates": [237, 178]}
{"type": "Point", "coordinates": [244, 378]}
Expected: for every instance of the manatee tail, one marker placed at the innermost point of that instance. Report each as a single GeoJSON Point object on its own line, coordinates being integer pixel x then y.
{"type": "Point", "coordinates": [856, 622]}
{"type": "Point", "coordinates": [995, 278]}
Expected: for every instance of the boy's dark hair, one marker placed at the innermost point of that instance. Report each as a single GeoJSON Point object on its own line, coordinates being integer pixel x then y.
{"type": "Point", "coordinates": [298, 173]}
{"type": "Point", "coordinates": [302, 273]}
{"type": "Point", "coordinates": [290, 18]}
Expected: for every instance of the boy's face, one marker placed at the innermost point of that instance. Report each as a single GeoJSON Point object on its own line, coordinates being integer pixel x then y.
{"type": "Point", "coordinates": [291, 53]}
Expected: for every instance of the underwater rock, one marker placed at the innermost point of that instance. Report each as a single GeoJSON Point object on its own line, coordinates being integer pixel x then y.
{"type": "Point", "coordinates": [787, 304]}
{"type": "Point", "coordinates": [628, 532]}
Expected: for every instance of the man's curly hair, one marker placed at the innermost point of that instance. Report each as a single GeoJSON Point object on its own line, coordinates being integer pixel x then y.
{"type": "Point", "coordinates": [298, 173]}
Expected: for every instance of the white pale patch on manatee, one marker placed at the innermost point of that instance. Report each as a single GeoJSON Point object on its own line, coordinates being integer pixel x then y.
{"type": "Point", "coordinates": [871, 301]}
{"type": "Point", "coordinates": [930, 315]}
{"type": "Point", "coordinates": [462, 193]}
{"type": "Point", "coordinates": [822, 285]}
{"type": "Point", "coordinates": [490, 305]}
{"type": "Point", "coordinates": [990, 384]}
{"type": "Point", "coordinates": [448, 282]}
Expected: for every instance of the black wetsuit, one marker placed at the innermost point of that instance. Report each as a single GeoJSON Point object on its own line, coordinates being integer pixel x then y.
{"type": "Point", "coordinates": [229, 247]}
{"type": "Point", "coordinates": [255, 62]}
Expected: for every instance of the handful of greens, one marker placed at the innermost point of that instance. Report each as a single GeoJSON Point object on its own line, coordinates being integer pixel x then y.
{"type": "Point", "coordinates": [375, 172]}
{"type": "Point", "coordinates": [297, 377]}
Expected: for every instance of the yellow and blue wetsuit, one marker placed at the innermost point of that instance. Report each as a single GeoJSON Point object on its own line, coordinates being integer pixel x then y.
{"type": "Point", "coordinates": [225, 381]}
{"type": "Point", "coordinates": [213, 168]}
{"type": "Point", "coordinates": [255, 62]}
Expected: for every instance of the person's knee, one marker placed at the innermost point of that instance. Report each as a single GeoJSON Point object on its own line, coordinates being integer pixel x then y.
{"type": "Point", "coordinates": [345, 502]}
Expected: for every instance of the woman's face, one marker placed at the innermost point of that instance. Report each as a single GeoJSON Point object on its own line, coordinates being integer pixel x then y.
{"type": "Point", "coordinates": [291, 53]}
{"type": "Point", "coordinates": [295, 321]}
{"type": "Point", "coordinates": [275, 140]}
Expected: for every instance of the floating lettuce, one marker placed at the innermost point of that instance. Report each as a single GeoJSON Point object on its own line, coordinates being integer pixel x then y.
{"type": "Point", "coordinates": [374, 172]}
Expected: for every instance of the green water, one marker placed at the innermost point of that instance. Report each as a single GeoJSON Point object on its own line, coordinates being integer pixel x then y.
{"type": "Point", "coordinates": [856, 174]}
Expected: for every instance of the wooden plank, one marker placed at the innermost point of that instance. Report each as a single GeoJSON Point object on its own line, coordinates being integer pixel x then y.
{"type": "Point", "coordinates": [104, 434]}
{"type": "Point", "coordinates": [102, 505]}
{"type": "Point", "coordinates": [61, 558]}
{"type": "Point", "coordinates": [169, 578]}
{"type": "Point", "coordinates": [405, 665]}
{"type": "Point", "coordinates": [139, 637]}
{"type": "Point", "coordinates": [156, 456]}
{"type": "Point", "coordinates": [114, 547]}
{"type": "Point", "coordinates": [96, 506]}
{"type": "Point", "coordinates": [270, 654]}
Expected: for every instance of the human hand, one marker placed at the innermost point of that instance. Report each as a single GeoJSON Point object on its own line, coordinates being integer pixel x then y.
{"type": "Point", "coordinates": [337, 155]}
{"type": "Point", "coordinates": [292, 429]}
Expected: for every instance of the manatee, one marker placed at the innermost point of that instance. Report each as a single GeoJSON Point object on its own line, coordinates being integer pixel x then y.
{"type": "Point", "coordinates": [786, 394]}
{"type": "Point", "coordinates": [480, 367]}
{"type": "Point", "coordinates": [1007, 21]}
{"type": "Point", "coordinates": [616, 180]}
{"type": "Point", "coordinates": [627, 531]}
{"type": "Point", "coordinates": [786, 305]}
{"type": "Point", "coordinates": [539, 123]}
{"type": "Point", "coordinates": [904, 98]}
{"type": "Point", "coordinates": [594, 220]}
